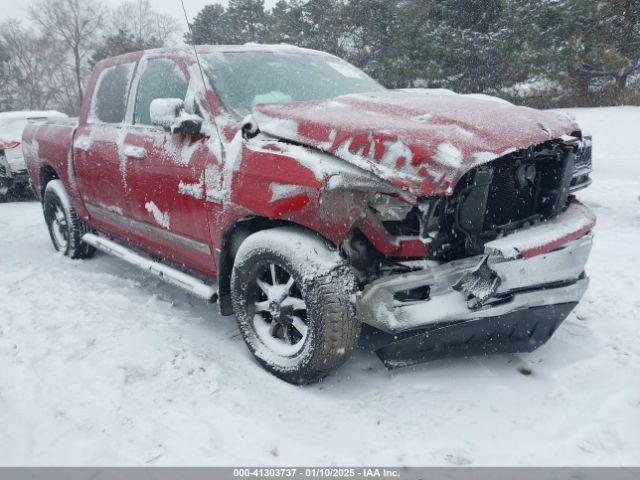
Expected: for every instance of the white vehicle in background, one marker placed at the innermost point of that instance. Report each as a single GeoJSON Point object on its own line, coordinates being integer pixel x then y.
{"type": "Point", "coordinates": [13, 170]}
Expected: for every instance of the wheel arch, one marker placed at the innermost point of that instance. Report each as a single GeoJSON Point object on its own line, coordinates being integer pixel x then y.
{"type": "Point", "coordinates": [231, 241]}
{"type": "Point", "coordinates": [47, 173]}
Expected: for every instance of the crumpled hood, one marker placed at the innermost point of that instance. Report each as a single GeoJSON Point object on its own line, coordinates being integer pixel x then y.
{"type": "Point", "coordinates": [423, 141]}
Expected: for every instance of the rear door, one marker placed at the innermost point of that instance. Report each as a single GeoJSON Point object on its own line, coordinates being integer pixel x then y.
{"type": "Point", "coordinates": [102, 162]}
{"type": "Point", "coordinates": [168, 191]}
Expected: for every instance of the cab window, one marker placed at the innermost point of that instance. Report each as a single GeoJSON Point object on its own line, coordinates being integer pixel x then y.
{"type": "Point", "coordinates": [161, 78]}
{"type": "Point", "coordinates": [109, 103]}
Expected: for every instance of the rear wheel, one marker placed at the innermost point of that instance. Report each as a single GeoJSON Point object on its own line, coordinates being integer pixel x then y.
{"type": "Point", "coordinates": [65, 227]}
{"type": "Point", "coordinates": [291, 296]}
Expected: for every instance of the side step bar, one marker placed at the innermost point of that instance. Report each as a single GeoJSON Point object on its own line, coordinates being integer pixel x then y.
{"type": "Point", "coordinates": [164, 272]}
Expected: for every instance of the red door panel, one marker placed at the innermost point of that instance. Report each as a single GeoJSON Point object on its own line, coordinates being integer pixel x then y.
{"type": "Point", "coordinates": [103, 170]}
{"type": "Point", "coordinates": [168, 195]}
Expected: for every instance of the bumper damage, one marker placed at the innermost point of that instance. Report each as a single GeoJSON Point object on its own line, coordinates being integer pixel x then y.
{"type": "Point", "coordinates": [517, 331]}
{"type": "Point", "coordinates": [506, 300]}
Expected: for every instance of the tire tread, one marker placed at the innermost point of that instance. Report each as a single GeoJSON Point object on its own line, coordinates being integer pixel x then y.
{"type": "Point", "coordinates": [328, 295]}
{"type": "Point", "coordinates": [76, 248]}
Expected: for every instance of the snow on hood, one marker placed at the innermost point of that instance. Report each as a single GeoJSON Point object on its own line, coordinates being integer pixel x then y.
{"type": "Point", "coordinates": [423, 141]}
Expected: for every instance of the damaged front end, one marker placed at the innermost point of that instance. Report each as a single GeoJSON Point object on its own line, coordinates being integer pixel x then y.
{"type": "Point", "coordinates": [463, 240]}
{"type": "Point", "coordinates": [483, 304]}
{"type": "Point", "coordinates": [507, 252]}
{"type": "Point", "coordinates": [523, 188]}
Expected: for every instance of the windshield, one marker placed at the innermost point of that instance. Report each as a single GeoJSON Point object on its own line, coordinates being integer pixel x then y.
{"type": "Point", "coordinates": [246, 79]}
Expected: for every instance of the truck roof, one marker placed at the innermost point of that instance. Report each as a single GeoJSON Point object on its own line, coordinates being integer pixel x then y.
{"type": "Point", "coordinates": [187, 50]}
{"type": "Point", "coordinates": [257, 47]}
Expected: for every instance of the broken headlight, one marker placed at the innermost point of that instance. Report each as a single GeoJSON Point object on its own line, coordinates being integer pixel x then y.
{"type": "Point", "coordinates": [389, 208]}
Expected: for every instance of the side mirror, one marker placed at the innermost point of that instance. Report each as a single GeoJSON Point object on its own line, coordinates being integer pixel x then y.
{"type": "Point", "coordinates": [169, 113]}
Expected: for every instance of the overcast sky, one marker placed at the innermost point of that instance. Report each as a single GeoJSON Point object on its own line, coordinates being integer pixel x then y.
{"type": "Point", "coordinates": [19, 8]}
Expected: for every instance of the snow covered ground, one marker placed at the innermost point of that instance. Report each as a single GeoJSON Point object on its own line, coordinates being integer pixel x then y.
{"type": "Point", "coordinates": [103, 365]}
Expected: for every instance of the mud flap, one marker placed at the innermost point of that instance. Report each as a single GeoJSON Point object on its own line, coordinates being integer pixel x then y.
{"type": "Point", "coordinates": [520, 331]}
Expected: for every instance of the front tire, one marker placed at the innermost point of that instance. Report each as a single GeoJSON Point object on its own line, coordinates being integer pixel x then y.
{"type": "Point", "coordinates": [291, 296]}
{"type": "Point", "coordinates": [65, 227]}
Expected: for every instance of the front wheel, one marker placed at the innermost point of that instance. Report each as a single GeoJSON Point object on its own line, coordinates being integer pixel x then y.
{"type": "Point", "coordinates": [291, 297]}
{"type": "Point", "coordinates": [65, 227]}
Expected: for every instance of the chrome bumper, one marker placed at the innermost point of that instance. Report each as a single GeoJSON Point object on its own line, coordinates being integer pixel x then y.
{"type": "Point", "coordinates": [489, 285]}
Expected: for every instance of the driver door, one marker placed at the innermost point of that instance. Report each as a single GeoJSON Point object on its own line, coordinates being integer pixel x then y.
{"type": "Point", "coordinates": [167, 183]}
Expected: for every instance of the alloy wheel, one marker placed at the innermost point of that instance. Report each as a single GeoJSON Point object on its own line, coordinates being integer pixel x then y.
{"type": "Point", "coordinates": [279, 311]}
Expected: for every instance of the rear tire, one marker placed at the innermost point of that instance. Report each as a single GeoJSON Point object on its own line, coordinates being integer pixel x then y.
{"type": "Point", "coordinates": [291, 295]}
{"type": "Point", "coordinates": [65, 227]}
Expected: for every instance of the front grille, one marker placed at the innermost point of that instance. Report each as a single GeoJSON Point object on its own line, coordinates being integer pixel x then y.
{"type": "Point", "coordinates": [498, 197]}
{"type": "Point", "coordinates": [501, 196]}
{"type": "Point", "coordinates": [507, 201]}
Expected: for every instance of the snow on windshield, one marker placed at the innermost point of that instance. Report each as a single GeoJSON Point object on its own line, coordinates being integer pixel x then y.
{"type": "Point", "coordinates": [246, 79]}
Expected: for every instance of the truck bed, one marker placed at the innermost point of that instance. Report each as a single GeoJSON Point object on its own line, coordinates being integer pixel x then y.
{"type": "Point", "coordinates": [52, 141]}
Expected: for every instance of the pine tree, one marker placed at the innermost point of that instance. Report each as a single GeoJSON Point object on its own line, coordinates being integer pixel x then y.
{"type": "Point", "coordinates": [286, 22]}
{"type": "Point", "coordinates": [209, 27]}
{"type": "Point", "coordinates": [621, 21]}
{"type": "Point", "coordinates": [572, 46]}
{"type": "Point", "coordinates": [595, 45]}
{"type": "Point", "coordinates": [120, 43]}
{"type": "Point", "coordinates": [246, 21]}
{"type": "Point", "coordinates": [371, 27]}
{"type": "Point", "coordinates": [322, 26]}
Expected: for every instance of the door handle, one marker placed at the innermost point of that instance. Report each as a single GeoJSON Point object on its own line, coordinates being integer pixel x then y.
{"type": "Point", "coordinates": [135, 152]}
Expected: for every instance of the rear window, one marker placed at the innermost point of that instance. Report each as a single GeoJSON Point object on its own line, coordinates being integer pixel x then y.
{"type": "Point", "coordinates": [109, 103]}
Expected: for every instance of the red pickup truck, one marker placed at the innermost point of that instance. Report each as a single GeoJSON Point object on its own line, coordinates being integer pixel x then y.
{"type": "Point", "coordinates": [308, 200]}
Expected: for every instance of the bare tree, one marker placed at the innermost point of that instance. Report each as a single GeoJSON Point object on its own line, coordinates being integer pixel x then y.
{"type": "Point", "coordinates": [30, 67]}
{"type": "Point", "coordinates": [76, 24]}
{"type": "Point", "coordinates": [146, 25]}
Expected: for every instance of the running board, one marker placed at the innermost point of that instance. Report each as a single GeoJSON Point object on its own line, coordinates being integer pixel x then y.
{"type": "Point", "coordinates": [164, 272]}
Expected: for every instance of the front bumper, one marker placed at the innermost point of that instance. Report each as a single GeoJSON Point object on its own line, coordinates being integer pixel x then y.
{"type": "Point", "coordinates": [517, 331]}
{"type": "Point", "coordinates": [502, 286]}
{"type": "Point", "coordinates": [501, 291]}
